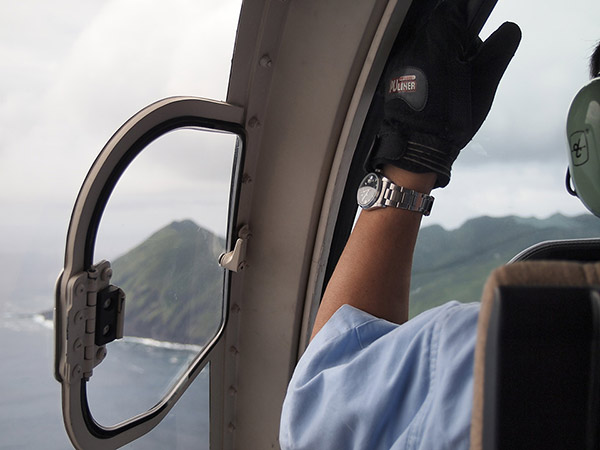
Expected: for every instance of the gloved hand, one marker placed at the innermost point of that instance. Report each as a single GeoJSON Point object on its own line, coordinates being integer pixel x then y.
{"type": "Point", "coordinates": [438, 89]}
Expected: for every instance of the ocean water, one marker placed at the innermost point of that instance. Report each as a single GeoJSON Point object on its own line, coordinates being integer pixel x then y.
{"type": "Point", "coordinates": [133, 377]}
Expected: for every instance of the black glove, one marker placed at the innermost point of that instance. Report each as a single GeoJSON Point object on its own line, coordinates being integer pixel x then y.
{"type": "Point", "coordinates": [437, 90]}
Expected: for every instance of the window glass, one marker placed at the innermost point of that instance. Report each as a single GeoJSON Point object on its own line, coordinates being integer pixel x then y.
{"type": "Point", "coordinates": [507, 190]}
{"type": "Point", "coordinates": [72, 72]}
{"type": "Point", "coordinates": [163, 231]}
{"type": "Point", "coordinates": [187, 424]}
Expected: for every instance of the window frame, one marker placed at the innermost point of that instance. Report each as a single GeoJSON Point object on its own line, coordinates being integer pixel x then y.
{"type": "Point", "coordinates": [126, 144]}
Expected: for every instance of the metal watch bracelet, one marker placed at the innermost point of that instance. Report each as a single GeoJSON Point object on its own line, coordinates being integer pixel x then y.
{"type": "Point", "coordinates": [404, 198]}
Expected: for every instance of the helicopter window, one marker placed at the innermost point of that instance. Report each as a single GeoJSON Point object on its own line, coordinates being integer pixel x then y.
{"type": "Point", "coordinates": [163, 230]}
{"type": "Point", "coordinates": [73, 72]}
{"type": "Point", "coordinates": [507, 188]}
{"type": "Point", "coordinates": [507, 191]}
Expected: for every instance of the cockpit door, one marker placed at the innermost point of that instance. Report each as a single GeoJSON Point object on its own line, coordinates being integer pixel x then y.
{"type": "Point", "coordinates": [164, 291]}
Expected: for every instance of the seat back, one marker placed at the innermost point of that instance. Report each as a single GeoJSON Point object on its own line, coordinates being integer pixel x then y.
{"type": "Point", "coordinates": [537, 358]}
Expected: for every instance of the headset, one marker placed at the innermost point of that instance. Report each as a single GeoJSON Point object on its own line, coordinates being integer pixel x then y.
{"type": "Point", "coordinates": [583, 136]}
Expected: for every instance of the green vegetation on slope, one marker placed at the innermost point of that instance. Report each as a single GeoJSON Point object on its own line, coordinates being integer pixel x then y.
{"type": "Point", "coordinates": [453, 265]}
{"type": "Point", "coordinates": [173, 284]}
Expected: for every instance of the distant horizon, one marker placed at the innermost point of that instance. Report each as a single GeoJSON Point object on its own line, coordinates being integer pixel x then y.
{"type": "Point", "coordinates": [38, 296]}
{"type": "Point", "coordinates": [532, 217]}
{"type": "Point", "coordinates": [70, 81]}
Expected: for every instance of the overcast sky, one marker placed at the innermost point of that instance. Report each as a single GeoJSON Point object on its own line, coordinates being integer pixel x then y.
{"type": "Point", "coordinates": [72, 71]}
{"type": "Point", "coordinates": [516, 164]}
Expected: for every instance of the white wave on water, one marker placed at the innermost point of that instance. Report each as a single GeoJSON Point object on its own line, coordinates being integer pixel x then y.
{"type": "Point", "coordinates": [24, 321]}
{"type": "Point", "coordinates": [162, 344]}
{"type": "Point", "coordinates": [21, 321]}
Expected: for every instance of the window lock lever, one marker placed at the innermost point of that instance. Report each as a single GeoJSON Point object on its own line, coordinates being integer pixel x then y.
{"type": "Point", "coordinates": [235, 260]}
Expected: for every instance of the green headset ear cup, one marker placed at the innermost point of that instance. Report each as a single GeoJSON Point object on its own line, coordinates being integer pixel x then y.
{"type": "Point", "coordinates": [583, 135]}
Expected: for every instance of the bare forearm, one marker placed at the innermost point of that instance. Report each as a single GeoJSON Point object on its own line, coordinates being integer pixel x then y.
{"type": "Point", "coordinates": [373, 273]}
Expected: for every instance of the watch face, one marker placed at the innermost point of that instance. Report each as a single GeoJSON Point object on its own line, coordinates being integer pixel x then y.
{"type": "Point", "coordinates": [368, 191]}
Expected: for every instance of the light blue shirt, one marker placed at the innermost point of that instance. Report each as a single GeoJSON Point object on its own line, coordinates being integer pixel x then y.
{"type": "Point", "coordinates": [365, 383]}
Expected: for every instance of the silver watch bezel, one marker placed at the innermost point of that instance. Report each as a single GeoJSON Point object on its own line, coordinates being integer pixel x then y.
{"type": "Point", "coordinates": [364, 184]}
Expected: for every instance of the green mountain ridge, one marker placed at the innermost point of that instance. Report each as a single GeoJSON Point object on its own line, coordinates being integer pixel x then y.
{"type": "Point", "coordinates": [173, 283]}
{"type": "Point", "coordinates": [453, 265]}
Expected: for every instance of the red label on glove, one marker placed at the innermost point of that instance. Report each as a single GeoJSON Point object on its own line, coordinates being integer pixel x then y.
{"type": "Point", "coordinates": [408, 84]}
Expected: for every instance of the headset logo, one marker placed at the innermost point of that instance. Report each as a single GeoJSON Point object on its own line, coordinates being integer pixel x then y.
{"type": "Point", "coordinates": [579, 148]}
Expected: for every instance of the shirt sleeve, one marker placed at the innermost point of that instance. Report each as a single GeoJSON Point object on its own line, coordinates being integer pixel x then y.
{"type": "Point", "coordinates": [365, 383]}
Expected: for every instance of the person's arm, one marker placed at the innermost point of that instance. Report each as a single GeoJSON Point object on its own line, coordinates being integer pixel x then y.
{"type": "Point", "coordinates": [373, 273]}
{"type": "Point", "coordinates": [436, 92]}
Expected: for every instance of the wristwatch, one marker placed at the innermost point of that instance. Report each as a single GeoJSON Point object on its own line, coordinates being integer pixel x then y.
{"type": "Point", "coordinates": [378, 191]}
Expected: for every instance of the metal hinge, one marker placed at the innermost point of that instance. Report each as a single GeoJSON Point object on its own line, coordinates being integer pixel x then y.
{"type": "Point", "coordinates": [95, 315]}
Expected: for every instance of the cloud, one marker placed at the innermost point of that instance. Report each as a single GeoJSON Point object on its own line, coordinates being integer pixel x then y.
{"type": "Point", "coordinates": [527, 120]}
{"type": "Point", "coordinates": [72, 72]}
{"type": "Point", "coordinates": [126, 55]}
{"type": "Point", "coordinates": [500, 189]}
{"type": "Point", "coordinates": [516, 163]}
{"type": "Point", "coordinates": [75, 70]}
{"type": "Point", "coordinates": [133, 54]}
{"type": "Point", "coordinates": [156, 189]}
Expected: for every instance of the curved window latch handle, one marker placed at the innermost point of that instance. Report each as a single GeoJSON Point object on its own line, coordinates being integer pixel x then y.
{"type": "Point", "coordinates": [235, 260]}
